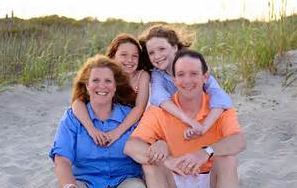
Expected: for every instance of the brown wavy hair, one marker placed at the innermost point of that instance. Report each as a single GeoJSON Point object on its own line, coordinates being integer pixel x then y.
{"type": "Point", "coordinates": [124, 92]}
{"type": "Point", "coordinates": [160, 31]}
{"type": "Point", "coordinates": [122, 39]}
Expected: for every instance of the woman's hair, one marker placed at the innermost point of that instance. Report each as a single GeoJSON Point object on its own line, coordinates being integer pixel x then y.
{"type": "Point", "coordinates": [122, 39]}
{"type": "Point", "coordinates": [124, 92]}
{"type": "Point", "coordinates": [160, 31]}
{"type": "Point", "coordinates": [190, 53]}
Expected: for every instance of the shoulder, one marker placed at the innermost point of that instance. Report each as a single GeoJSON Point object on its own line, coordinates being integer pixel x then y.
{"type": "Point", "coordinates": [69, 115]}
{"type": "Point", "coordinates": [122, 109]}
{"type": "Point", "coordinates": [144, 75]}
{"type": "Point", "coordinates": [229, 122]}
{"type": "Point", "coordinates": [155, 111]}
{"type": "Point", "coordinates": [69, 120]}
{"type": "Point", "coordinates": [231, 112]}
{"type": "Point", "coordinates": [156, 72]}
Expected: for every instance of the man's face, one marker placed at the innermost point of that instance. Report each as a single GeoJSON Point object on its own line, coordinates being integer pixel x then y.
{"type": "Point", "coordinates": [189, 78]}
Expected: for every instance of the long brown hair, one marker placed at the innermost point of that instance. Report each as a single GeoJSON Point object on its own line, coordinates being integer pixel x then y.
{"type": "Point", "coordinates": [124, 92]}
{"type": "Point", "coordinates": [122, 39]}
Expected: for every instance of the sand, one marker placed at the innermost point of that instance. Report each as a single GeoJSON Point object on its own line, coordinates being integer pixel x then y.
{"type": "Point", "coordinates": [29, 117]}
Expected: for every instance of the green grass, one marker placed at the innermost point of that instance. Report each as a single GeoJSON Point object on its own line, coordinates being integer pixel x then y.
{"type": "Point", "coordinates": [49, 50]}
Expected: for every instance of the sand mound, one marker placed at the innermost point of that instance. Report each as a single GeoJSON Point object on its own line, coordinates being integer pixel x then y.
{"type": "Point", "coordinates": [29, 119]}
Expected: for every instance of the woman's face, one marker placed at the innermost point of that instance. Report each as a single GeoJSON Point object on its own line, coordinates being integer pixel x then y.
{"type": "Point", "coordinates": [101, 85]}
{"type": "Point", "coordinates": [161, 52]}
{"type": "Point", "coordinates": [128, 56]}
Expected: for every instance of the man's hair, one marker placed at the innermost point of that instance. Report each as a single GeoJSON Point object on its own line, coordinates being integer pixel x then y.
{"type": "Point", "coordinates": [190, 53]}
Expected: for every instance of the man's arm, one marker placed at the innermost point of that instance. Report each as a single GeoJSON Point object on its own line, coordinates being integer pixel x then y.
{"type": "Point", "coordinates": [136, 149]}
{"type": "Point", "coordinates": [230, 145]}
{"type": "Point", "coordinates": [227, 146]}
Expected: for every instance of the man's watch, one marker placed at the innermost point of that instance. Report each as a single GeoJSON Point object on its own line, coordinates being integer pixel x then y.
{"type": "Point", "coordinates": [209, 150]}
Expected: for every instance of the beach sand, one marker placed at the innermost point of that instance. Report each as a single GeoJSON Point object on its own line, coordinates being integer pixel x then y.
{"type": "Point", "coordinates": [29, 118]}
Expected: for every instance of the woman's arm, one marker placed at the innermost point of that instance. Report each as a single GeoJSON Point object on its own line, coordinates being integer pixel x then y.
{"type": "Point", "coordinates": [80, 111]}
{"type": "Point", "coordinates": [137, 111]}
{"type": "Point", "coordinates": [64, 171]}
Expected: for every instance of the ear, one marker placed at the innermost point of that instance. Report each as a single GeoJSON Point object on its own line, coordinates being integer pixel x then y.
{"type": "Point", "coordinates": [87, 86]}
{"type": "Point", "coordinates": [205, 77]}
{"type": "Point", "coordinates": [174, 80]}
{"type": "Point", "coordinates": [175, 48]}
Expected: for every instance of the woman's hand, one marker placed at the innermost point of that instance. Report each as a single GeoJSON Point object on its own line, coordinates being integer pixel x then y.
{"type": "Point", "coordinates": [157, 152]}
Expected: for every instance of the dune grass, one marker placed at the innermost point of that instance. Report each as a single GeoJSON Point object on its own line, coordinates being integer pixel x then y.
{"type": "Point", "coordinates": [49, 50]}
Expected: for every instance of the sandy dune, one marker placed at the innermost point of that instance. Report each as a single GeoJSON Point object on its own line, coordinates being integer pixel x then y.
{"type": "Point", "coordinates": [29, 118]}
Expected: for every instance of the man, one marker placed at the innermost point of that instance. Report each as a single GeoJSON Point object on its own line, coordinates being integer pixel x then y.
{"type": "Point", "coordinates": [190, 161]}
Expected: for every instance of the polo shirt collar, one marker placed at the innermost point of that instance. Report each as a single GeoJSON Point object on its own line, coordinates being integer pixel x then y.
{"type": "Point", "coordinates": [116, 113]}
{"type": "Point", "coordinates": [204, 109]}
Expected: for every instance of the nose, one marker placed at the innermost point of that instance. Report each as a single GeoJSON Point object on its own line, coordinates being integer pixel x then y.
{"type": "Point", "coordinates": [157, 55]}
{"type": "Point", "coordinates": [101, 85]}
{"type": "Point", "coordinates": [187, 79]}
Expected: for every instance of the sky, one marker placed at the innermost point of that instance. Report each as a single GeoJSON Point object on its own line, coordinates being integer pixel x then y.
{"type": "Point", "coordinates": [186, 11]}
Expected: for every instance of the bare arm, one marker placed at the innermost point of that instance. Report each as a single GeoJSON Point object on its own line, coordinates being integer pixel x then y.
{"type": "Point", "coordinates": [191, 162]}
{"type": "Point", "coordinates": [230, 145]}
{"type": "Point", "coordinates": [136, 149]}
{"type": "Point", "coordinates": [80, 111]}
{"type": "Point", "coordinates": [64, 171]}
{"type": "Point", "coordinates": [137, 111]}
{"type": "Point", "coordinates": [212, 117]}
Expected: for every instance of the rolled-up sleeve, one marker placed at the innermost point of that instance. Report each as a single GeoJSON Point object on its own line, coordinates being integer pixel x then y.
{"type": "Point", "coordinates": [161, 89]}
{"type": "Point", "coordinates": [218, 97]}
{"type": "Point", "coordinates": [65, 138]}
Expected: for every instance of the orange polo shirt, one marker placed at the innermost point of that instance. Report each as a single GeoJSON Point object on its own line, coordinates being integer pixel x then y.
{"type": "Point", "coordinates": [157, 124]}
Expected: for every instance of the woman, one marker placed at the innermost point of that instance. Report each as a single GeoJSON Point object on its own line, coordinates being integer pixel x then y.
{"type": "Point", "coordinates": [79, 162]}
{"type": "Point", "coordinates": [125, 50]}
{"type": "Point", "coordinates": [160, 44]}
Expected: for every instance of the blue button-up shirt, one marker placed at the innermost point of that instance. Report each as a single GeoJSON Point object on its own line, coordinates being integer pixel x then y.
{"type": "Point", "coordinates": [95, 165]}
{"type": "Point", "coordinates": [163, 88]}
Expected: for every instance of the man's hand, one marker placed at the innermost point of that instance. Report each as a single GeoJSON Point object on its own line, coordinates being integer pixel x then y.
{"type": "Point", "coordinates": [172, 163]}
{"type": "Point", "coordinates": [190, 163]}
{"type": "Point", "coordinates": [157, 152]}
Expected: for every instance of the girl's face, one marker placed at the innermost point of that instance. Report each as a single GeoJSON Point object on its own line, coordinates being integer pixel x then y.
{"type": "Point", "coordinates": [161, 53]}
{"type": "Point", "coordinates": [128, 56]}
{"type": "Point", "coordinates": [101, 85]}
